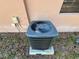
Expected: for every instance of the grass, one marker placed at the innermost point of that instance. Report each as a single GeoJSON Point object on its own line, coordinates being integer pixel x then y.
{"type": "Point", "coordinates": [13, 46]}
{"type": "Point", "coordinates": [69, 44]}
{"type": "Point", "coordinates": [72, 55]}
{"type": "Point", "coordinates": [58, 54]}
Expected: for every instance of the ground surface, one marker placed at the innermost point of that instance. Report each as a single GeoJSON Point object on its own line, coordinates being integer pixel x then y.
{"type": "Point", "coordinates": [14, 46]}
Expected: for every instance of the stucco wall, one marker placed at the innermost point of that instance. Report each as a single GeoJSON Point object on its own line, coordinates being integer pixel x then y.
{"type": "Point", "coordinates": [8, 9]}
{"type": "Point", "coordinates": [37, 9]}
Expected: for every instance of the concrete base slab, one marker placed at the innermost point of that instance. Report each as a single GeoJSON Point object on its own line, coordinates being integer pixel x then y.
{"type": "Point", "coordinates": [49, 51]}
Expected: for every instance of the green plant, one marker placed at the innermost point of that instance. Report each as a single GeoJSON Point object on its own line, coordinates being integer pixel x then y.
{"type": "Point", "coordinates": [72, 38]}
{"type": "Point", "coordinates": [70, 41]}
{"type": "Point", "coordinates": [58, 54]}
{"type": "Point", "coordinates": [72, 55]}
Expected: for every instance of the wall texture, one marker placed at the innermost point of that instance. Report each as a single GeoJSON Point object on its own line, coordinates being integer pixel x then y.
{"type": "Point", "coordinates": [8, 9]}
{"type": "Point", "coordinates": [38, 10]}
